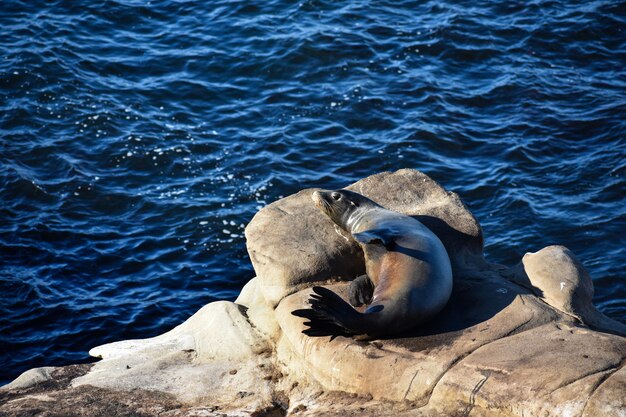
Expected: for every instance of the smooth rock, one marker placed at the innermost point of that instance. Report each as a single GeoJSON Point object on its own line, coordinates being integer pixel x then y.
{"type": "Point", "coordinates": [29, 378]}
{"type": "Point", "coordinates": [606, 399]}
{"type": "Point", "coordinates": [550, 370]}
{"type": "Point", "coordinates": [387, 369]}
{"type": "Point", "coordinates": [210, 357]}
{"type": "Point", "coordinates": [495, 348]}
{"type": "Point", "coordinates": [291, 245]}
{"type": "Point", "coordinates": [555, 275]}
{"type": "Point", "coordinates": [260, 313]}
{"type": "Point", "coordinates": [414, 193]}
{"type": "Point", "coordinates": [559, 278]}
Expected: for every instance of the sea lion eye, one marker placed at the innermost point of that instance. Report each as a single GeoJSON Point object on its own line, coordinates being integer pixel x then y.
{"type": "Point", "coordinates": [336, 196]}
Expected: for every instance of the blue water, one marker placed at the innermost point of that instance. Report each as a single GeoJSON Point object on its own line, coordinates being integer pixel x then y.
{"type": "Point", "coordinates": [138, 138]}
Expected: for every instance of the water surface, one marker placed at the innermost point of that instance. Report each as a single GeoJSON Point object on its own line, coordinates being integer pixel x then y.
{"type": "Point", "coordinates": [138, 138]}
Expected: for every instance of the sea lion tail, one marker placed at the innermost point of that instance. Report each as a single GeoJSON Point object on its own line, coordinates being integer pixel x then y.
{"type": "Point", "coordinates": [330, 315]}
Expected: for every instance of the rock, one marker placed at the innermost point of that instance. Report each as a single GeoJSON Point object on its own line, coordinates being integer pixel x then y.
{"type": "Point", "coordinates": [387, 369]}
{"type": "Point", "coordinates": [555, 275]}
{"type": "Point", "coordinates": [527, 357]}
{"type": "Point", "coordinates": [491, 328]}
{"type": "Point", "coordinates": [293, 245]}
{"type": "Point", "coordinates": [29, 378]}
{"type": "Point", "coordinates": [55, 397]}
{"type": "Point", "coordinates": [259, 312]}
{"type": "Point", "coordinates": [548, 370]}
{"type": "Point", "coordinates": [512, 341]}
{"type": "Point", "coordinates": [605, 399]}
{"type": "Point", "coordinates": [192, 362]}
{"type": "Point", "coordinates": [250, 295]}
{"type": "Point", "coordinates": [524, 344]}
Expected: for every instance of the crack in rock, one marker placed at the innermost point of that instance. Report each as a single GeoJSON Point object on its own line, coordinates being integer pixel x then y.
{"type": "Point", "coordinates": [472, 398]}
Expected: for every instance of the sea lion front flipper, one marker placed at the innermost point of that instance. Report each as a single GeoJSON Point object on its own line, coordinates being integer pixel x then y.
{"type": "Point", "coordinates": [360, 291]}
{"type": "Point", "coordinates": [383, 236]}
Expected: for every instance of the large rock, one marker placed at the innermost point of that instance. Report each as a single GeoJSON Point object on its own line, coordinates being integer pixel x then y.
{"type": "Point", "coordinates": [514, 341]}
{"type": "Point", "coordinates": [555, 275]}
{"type": "Point", "coordinates": [214, 353]}
{"type": "Point", "coordinates": [495, 347]}
{"type": "Point", "coordinates": [292, 244]}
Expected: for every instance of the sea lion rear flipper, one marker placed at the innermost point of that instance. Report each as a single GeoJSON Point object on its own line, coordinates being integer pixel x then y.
{"type": "Point", "coordinates": [330, 315]}
{"type": "Point", "coordinates": [383, 237]}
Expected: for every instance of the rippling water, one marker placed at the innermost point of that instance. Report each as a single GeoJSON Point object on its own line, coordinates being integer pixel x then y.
{"type": "Point", "coordinates": [138, 138]}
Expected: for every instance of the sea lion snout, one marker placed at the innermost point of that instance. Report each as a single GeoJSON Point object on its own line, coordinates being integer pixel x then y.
{"type": "Point", "coordinates": [318, 198]}
{"type": "Point", "coordinates": [328, 196]}
{"type": "Point", "coordinates": [325, 198]}
{"type": "Point", "coordinates": [322, 201]}
{"type": "Point", "coordinates": [334, 204]}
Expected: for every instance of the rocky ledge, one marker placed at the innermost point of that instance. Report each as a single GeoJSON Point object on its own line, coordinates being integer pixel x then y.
{"type": "Point", "coordinates": [518, 341]}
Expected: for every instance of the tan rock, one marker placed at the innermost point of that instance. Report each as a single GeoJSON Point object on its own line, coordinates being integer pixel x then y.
{"type": "Point", "coordinates": [210, 358]}
{"type": "Point", "coordinates": [559, 279]}
{"type": "Point", "coordinates": [607, 398]}
{"type": "Point", "coordinates": [250, 295]}
{"type": "Point", "coordinates": [292, 245]}
{"type": "Point", "coordinates": [414, 193]}
{"type": "Point", "coordinates": [550, 370]}
{"type": "Point", "coordinates": [29, 378]}
{"type": "Point", "coordinates": [555, 275]}
{"type": "Point", "coordinates": [260, 313]}
{"type": "Point", "coordinates": [495, 350]}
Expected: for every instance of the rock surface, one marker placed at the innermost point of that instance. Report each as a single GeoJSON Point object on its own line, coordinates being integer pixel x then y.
{"type": "Point", "coordinates": [514, 341]}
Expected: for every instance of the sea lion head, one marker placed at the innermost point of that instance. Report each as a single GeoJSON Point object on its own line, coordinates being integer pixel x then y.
{"type": "Point", "coordinates": [340, 205]}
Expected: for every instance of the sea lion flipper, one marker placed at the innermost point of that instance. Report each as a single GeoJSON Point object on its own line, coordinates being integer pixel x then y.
{"type": "Point", "coordinates": [360, 291]}
{"type": "Point", "coordinates": [330, 315]}
{"type": "Point", "coordinates": [383, 237]}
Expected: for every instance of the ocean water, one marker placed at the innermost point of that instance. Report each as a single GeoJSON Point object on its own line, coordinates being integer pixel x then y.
{"type": "Point", "coordinates": [138, 138]}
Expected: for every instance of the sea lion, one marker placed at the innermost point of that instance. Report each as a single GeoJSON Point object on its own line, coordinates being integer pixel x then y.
{"type": "Point", "coordinates": [409, 277]}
